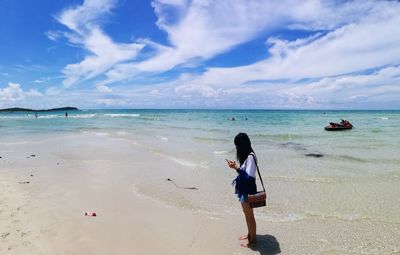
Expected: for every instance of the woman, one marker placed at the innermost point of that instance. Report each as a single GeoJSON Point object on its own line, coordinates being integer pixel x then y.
{"type": "Point", "coordinates": [245, 182]}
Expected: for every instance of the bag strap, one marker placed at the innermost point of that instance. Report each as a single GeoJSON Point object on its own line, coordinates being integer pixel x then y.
{"type": "Point", "coordinates": [258, 170]}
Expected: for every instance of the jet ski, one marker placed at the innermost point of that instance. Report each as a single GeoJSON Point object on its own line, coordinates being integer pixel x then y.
{"type": "Point", "coordinates": [343, 125]}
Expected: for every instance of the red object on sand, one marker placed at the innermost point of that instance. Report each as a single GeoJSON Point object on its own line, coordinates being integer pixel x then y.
{"type": "Point", "coordinates": [93, 214]}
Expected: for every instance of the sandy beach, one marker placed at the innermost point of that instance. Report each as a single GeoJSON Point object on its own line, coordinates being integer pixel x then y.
{"type": "Point", "coordinates": [46, 215]}
{"type": "Point", "coordinates": [70, 174]}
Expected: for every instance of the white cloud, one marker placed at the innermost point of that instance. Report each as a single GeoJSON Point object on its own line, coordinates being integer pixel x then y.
{"type": "Point", "coordinates": [13, 92]}
{"type": "Point", "coordinates": [55, 35]}
{"type": "Point", "coordinates": [84, 21]}
{"type": "Point", "coordinates": [203, 90]}
{"type": "Point", "coordinates": [350, 48]}
{"type": "Point", "coordinates": [203, 29]}
{"type": "Point", "coordinates": [344, 91]}
{"type": "Point", "coordinates": [155, 92]}
{"type": "Point", "coordinates": [351, 89]}
{"type": "Point", "coordinates": [199, 31]}
{"type": "Point", "coordinates": [33, 93]}
{"type": "Point", "coordinates": [103, 88]}
{"type": "Point", "coordinates": [46, 79]}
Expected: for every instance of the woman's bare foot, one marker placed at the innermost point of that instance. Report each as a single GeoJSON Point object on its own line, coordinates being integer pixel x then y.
{"type": "Point", "coordinates": [247, 245]}
{"type": "Point", "coordinates": [250, 243]}
{"type": "Point", "coordinates": [244, 237]}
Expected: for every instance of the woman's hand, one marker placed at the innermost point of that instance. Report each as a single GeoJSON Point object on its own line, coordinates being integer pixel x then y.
{"type": "Point", "coordinates": [232, 164]}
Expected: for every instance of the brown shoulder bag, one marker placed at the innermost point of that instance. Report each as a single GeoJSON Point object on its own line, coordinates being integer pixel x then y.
{"type": "Point", "coordinates": [258, 199]}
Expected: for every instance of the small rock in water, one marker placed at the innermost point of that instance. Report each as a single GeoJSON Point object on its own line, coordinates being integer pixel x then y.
{"type": "Point", "coordinates": [315, 155]}
{"type": "Point", "coordinates": [27, 182]}
{"type": "Point", "coordinates": [33, 155]}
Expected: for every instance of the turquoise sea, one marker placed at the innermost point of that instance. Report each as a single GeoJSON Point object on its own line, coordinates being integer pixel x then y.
{"type": "Point", "coordinates": [356, 177]}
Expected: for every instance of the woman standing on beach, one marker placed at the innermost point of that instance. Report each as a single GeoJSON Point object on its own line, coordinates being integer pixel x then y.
{"type": "Point", "coordinates": [245, 182]}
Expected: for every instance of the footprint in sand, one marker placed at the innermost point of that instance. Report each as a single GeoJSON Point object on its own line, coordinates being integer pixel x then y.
{"type": "Point", "coordinates": [4, 235]}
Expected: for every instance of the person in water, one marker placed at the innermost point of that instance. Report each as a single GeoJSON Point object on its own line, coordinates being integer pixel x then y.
{"type": "Point", "coordinates": [245, 182]}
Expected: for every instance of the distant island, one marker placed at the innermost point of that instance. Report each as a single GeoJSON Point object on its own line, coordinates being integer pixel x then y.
{"type": "Point", "coordinates": [18, 109]}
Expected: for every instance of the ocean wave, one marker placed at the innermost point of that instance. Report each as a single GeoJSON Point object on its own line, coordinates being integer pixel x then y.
{"type": "Point", "coordinates": [182, 162]}
{"type": "Point", "coordinates": [165, 139]}
{"type": "Point", "coordinates": [150, 118]}
{"type": "Point", "coordinates": [83, 116]}
{"type": "Point", "coordinates": [122, 115]}
{"type": "Point", "coordinates": [100, 133]}
{"type": "Point", "coordinates": [14, 143]}
{"type": "Point", "coordinates": [221, 152]}
{"type": "Point", "coordinates": [50, 116]}
{"type": "Point", "coordinates": [17, 117]}
{"type": "Point", "coordinates": [94, 133]}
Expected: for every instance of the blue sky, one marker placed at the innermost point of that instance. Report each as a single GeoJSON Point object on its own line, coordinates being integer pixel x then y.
{"type": "Point", "coordinates": [273, 54]}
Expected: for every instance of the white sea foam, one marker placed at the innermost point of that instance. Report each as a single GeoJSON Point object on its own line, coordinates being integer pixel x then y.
{"type": "Point", "coordinates": [83, 116]}
{"type": "Point", "coordinates": [122, 133]}
{"type": "Point", "coordinates": [100, 133]}
{"type": "Point", "coordinates": [182, 161]}
{"type": "Point", "coordinates": [383, 118]}
{"type": "Point", "coordinates": [50, 116]}
{"type": "Point", "coordinates": [165, 139]}
{"type": "Point", "coordinates": [220, 152]}
{"type": "Point", "coordinates": [14, 143]}
{"type": "Point", "coordinates": [16, 117]}
{"type": "Point", "coordinates": [95, 133]}
{"type": "Point", "coordinates": [119, 115]}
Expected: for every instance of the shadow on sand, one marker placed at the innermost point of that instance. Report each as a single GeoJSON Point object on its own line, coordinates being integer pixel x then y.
{"type": "Point", "coordinates": [266, 245]}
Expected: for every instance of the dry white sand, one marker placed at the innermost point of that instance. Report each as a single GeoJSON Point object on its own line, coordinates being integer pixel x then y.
{"type": "Point", "coordinates": [72, 174]}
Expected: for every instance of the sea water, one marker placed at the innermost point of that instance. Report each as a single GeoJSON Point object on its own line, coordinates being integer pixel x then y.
{"type": "Point", "coordinates": [355, 176]}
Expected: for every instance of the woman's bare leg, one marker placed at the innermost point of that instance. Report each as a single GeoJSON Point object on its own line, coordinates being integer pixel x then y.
{"type": "Point", "coordinates": [251, 222]}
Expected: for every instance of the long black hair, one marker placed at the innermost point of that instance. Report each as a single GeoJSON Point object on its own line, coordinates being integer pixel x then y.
{"type": "Point", "coordinates": [243, 147]}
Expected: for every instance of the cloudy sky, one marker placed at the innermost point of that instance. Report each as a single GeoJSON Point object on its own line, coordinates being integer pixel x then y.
{"type": "Point", "coordinates": [286, 54]}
